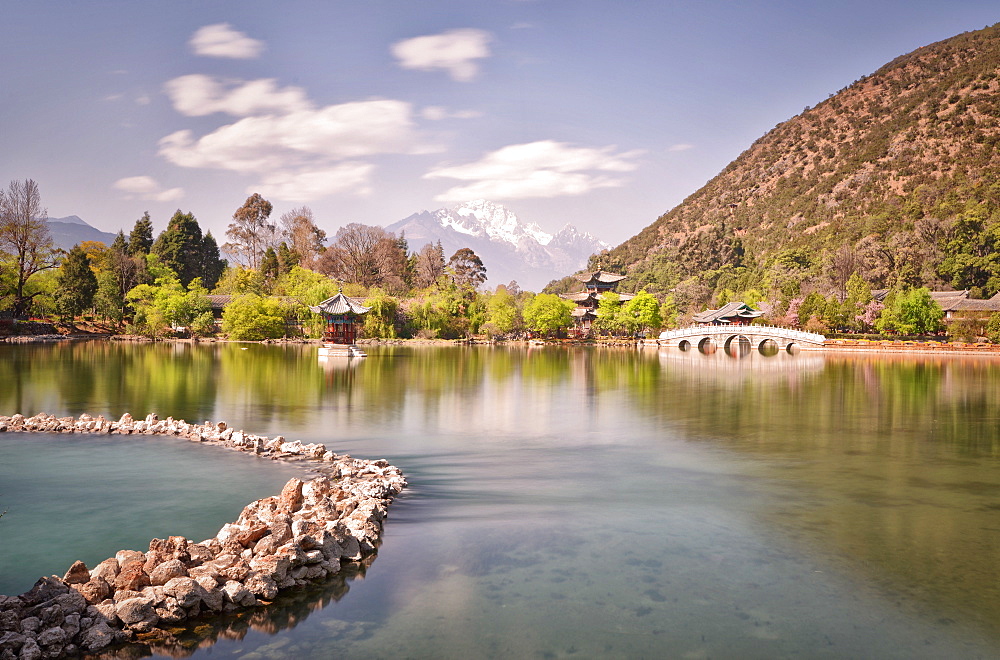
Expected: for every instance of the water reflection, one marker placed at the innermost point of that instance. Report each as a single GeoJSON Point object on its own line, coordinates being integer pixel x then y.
{"type": "Point", "coordinates": [615, 502]}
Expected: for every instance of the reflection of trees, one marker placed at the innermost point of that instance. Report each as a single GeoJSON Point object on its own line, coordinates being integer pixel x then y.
{"type": "Point", "coordinates": [885, 461]}
{"type": "Point", "coordinates": [287, 611]}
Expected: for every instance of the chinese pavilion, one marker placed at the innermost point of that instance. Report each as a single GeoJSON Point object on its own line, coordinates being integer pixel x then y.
{"type": "Point", "coordinates": [343, 317]}
{"type": "Point", "coordinates": [595, 285]}
{"type": "Point", "coordinates": [733, 313]}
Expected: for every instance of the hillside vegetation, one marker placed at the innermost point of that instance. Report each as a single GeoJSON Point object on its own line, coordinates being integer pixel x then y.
{"type": "Point", "coordinates": [894, 177]}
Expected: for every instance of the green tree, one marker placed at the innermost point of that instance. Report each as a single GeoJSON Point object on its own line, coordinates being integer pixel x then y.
{"type": "Point", "coordinates": [547, 313]}
{"type": "Point", "coordinates": [212, 263]}
{"type": "Point", "coordinates": [140, 241]}
{"type": "Point", "coordinates": [993, 328]}
{"type": "Point", "coordinates": [910, 312]}
{"type": "Point", "coordinates": [609, 314]}
{"type": "Point", "coordinates": [501, 312]}
{"type": "Point", "coordinates": [167, 304]}
{"type": "Point", "coordinates": [180, 247]}
{"type": "Point", "coordinates": [668, 311]}
{"type": "Point", "coordinates": [119, 274]}
{"type": "Point", "coordinates": [642, 313]}
{"type": "Point", "coordinates": [251, 317]}
{"type": "Point", "coordinates": [76, 284]}
{"type": "Point", "coordinates": [380, 321]}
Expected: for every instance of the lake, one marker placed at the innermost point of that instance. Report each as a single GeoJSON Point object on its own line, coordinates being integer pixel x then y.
{"type": "Point", "coordinates": [563, 502]}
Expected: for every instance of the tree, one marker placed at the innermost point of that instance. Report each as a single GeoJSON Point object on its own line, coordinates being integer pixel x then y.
{"type": "Point", "coordinates": [250, 234]}
{"type": "Point", "coordinates": [118, 276]}
{"type": "Point", "coordinates": [429, 265]}
{"type": "Point", "coordinates": [167, 303]}
{"type": "Point", "coordinates": [609, 319]}
{"type": "Point", "coordinates": [76, 284]}
{"type": "Point", "coordinates": [180, 247]}
{"type": "Point", "coordinates": [467, 268]}
{"type": "Point", "coordinates": [365, 255]}
{"type": "Point", "coordinates": [304, 237]}
{"type": "Point", "coordinates": [910, 312]}
{"type": "Point", "coordinates": [380, 321]}
{"type": "Point", "coordinates": [212, 264]}
{"type": "Point", "coordinates": [548, 313]}
{"type": "Point", "coordinates": [642, 313]}
{"type": "Point", "coordinates": [253, 318]}
{"type": "Point", "coordinates": [25, 238]}
{"type": "Point", "coordinates": [140, 241]}
{"type": "Point", "coordinates": [501, 312]}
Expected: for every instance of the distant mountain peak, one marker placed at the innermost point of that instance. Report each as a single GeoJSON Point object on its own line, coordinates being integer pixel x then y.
{"type": "Point", "coordinates": [511, 248]}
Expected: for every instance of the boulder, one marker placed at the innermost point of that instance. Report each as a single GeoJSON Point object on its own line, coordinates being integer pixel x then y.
{"type": "Point", "coordinates": [138, 614]}
{"type": "Point", "coordinates": [261, 585]}
{"type": "Point", "coordinates": [131, 578]}
{"type": "Point", "coordinates": [238, 594]}
{"type": "Point", "coordinates": [98, 636]}
{"type": "Point", "coordinates": [107, 569]}
{"type": "Point", "coordinates": [94, 591]}
{"type": "Point", "coordinates": [185, 590]}
{"type": "Point", "coordinates": [290, 499]}
{"type": "Point", "coordinates": [77, 573]}
{"type": "Point", "coordinates": [167, 571]}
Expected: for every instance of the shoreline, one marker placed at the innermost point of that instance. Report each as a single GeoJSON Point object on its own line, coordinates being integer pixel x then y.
{"type": "Point", "coordinates": [301, 536]}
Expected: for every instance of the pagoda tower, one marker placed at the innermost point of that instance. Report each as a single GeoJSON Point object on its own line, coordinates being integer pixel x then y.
{"type": "Point", "coordinates": [595, 285]}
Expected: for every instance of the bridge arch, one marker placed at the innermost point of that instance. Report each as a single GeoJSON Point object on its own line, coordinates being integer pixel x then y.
{"type": "Point", "coordinates": [707, 345]}
{"type": "Point", "coordinates": [737, 346]}
{"type": "Point", "coordinates": [684, 345]}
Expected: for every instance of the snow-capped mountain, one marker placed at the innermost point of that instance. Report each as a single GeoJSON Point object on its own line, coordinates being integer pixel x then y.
{"type": "Point", "coordinates": [510, 248]}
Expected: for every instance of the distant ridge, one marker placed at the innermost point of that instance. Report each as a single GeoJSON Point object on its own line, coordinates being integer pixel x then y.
{"type": "Point", "coordinates": [71, 230]}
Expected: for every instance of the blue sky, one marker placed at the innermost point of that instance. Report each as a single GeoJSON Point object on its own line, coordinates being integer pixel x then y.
{"type": "Point", "coordinates": [597, 113]}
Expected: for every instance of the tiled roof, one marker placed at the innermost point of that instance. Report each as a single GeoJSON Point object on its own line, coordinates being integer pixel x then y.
{"type": "Point", "coordinates": [600, 276]}
{"type": "Point", "coordinates": [729, 310]}
{"type": "Point", "coordinates": [340, 304]}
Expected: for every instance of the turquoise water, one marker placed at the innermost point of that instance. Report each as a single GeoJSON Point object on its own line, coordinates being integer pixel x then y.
{"type": "Point", "coordinates": [598, 503]}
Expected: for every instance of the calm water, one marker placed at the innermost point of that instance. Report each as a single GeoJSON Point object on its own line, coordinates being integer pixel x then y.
{"type": "Point", "coordinates": [563, 503]}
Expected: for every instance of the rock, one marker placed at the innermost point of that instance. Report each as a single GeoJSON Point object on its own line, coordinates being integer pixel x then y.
{"type": "Point", "coordinates": [71, 625]}
{"type": "Point", "coordinates": [132, 578]}
{"type": "Point", "coordinates": [45, 589]}
{"type": "Point", "coordinates": [107, 569]}
{"type": "Point", "coordinates": [98, 636]}
{"type": "Point", "coordinates": [77, 573]}
{"type": "Point", "coordinates": [54, 636]}
{"type": "Point", "coordinates": [261, 585]}
{"type": "Point", "coordinates": [71, 602]}
{"type": "Point", "coordinates": [30, 650]}
{"type": "Point", "coordinates": [94, 591]}
{"type": "Point", "coordinates": [138, 614]}
{"type": "Point", "coordinates": [238, 594]}
{"type": "Point", "coordinates": [274, 566]}
{"type": "Point", "coordinates": [167, 571]}
{"type": "Point", "coordinates": [290, 499]}
{"type": "Point", "coordinates": [186, 591]}
{"type": "Point", "coordinates": [248, 537]}
{"type": "Point", "coordinates": [127, 557]}
{"type": "Point", "coordinates": [211, 595]}
{"type": "Point", "coordinates": [30, 624]}
{"type": "Point", "coordinates": [170, 611]}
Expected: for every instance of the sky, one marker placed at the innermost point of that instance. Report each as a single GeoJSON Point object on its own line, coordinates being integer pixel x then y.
{"type": "Point", "coordinates": [601, 114]}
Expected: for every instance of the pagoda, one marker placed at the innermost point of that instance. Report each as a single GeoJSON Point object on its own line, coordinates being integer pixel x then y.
{"type": "Point", "coordinates": [343, 317]}
{"type": "Point", "coordinates": [595, 285]}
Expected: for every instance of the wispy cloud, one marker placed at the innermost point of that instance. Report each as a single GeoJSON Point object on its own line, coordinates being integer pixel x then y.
{"type": "Point", "coordinates": [221, 40]}
{"type": "Point", "coordinates": [680, 147]}
{"type": "Point", "coordinates": [455, 51]}
{"type": "Point", "coordinates": [439, 113]}
{"type": "Point", "coordinates": [146, 187]}
{"type": "Point", "coordinates": [197, 95]}
{"type": "Point", "coordinates": [305, 154]}
{"type": "Point", "coordinates": [537, 169]}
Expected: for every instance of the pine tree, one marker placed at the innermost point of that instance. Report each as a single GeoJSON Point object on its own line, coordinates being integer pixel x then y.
{"type": "Point", "coordinates": [140, 241]}
{"type": "Point", "coordinates": [76, 284]}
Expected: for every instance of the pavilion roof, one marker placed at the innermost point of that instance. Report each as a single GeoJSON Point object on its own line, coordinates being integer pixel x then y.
{"type": "Point", "coordinates": [340, 304]}
{"type": "Point", "coordinates": [729, 310]}
{"type": "Point", "coordinates": [600, 276]}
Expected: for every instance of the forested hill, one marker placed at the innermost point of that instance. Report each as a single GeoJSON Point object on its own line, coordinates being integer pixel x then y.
{"type": "Point", "coordinates": [895, 176]}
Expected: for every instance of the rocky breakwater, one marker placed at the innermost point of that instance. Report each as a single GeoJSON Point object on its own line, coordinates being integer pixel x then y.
{"type": "Point", "coordinates": [279, 542]}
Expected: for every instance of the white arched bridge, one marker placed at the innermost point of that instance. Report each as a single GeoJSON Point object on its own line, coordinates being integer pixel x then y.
{"type": "Point", "coordinates": [708, 337]}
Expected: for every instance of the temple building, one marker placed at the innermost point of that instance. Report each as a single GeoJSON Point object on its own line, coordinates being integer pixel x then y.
{"type": "Point", "coordinates": [595, 285]}
{"type": "Point", "coordinates": [344, 317]}
{"type": "Point", "coordinates": [734, 313]}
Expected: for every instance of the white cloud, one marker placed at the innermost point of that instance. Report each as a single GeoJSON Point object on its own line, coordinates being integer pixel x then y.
{"type": "Point", "coordinates": [292, 153]}
{"type": "Point", "coordinates": [680, 147]}
{"type": "Point", "coordinates": [143, 99]}
{"type": "Point", "coordinates": [308, 185]}
{"type": "Point", "coordinates": [455, 51]}
{"type": "Point", "coordinates": [221, 40]}
{"type": "Point", "coordinates": [538, 169]}
{"type": "Point", "coordinates": [197, 95]}
{"type": "Point", "coordinates": [146, 187]}
{"type": "Point", "coordinates": [439, 113]}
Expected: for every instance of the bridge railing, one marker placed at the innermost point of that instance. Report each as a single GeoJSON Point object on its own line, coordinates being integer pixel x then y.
{"type": "Point", "coordinates": [757, 330]}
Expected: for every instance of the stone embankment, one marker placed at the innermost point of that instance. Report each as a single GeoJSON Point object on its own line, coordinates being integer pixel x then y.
{"type": "Point", "coordinates": [279, 542]}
